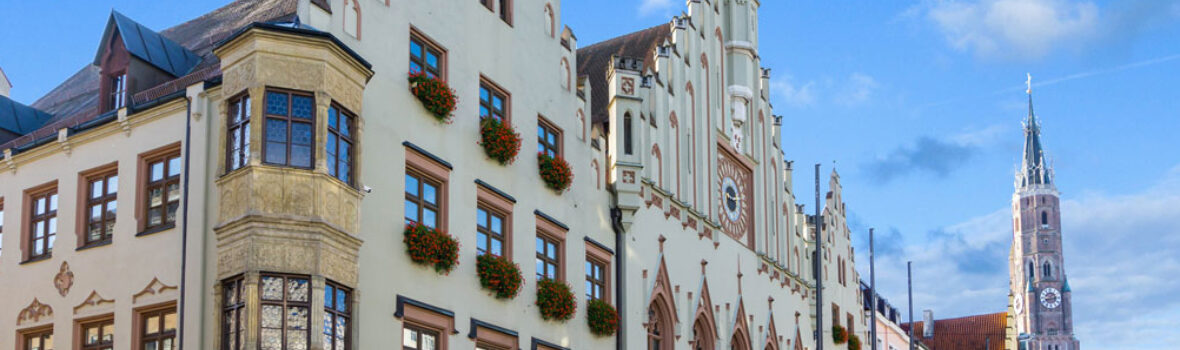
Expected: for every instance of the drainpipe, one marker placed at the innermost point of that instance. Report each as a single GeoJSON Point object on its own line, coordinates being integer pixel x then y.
{"type": "Point", "coordinates": [616, 216]}
{"type": "Point", "coordinates": [188, 129]}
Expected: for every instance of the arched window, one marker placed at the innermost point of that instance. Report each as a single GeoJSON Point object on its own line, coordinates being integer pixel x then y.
{"type": "Point", "coordinates": [565, 74]}
{"type": "Point", "coordinates": [550, 23]}
{"type": "Point", "coordinates": [352, 18]}
{"type": "Point", "coordinates": [659, 329]}
{"type": "Point", "coordinates": [1048, 270]}
{"type": "Point", "coordinates": [1044, 218]}
{"type": "Point", "coordinates": [702, 336]}
{"type": "Point", "coordinates": [1031, 268]}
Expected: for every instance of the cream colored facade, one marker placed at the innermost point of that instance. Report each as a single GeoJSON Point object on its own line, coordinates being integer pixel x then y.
{"type": "Point", "coordinates": [693, 212]}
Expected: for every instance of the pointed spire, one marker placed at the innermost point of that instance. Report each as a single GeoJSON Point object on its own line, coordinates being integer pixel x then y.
{"type": "Point", "coordinates": [1065, 287]}
{"type": "Point", "coordinates": [1034, 168]}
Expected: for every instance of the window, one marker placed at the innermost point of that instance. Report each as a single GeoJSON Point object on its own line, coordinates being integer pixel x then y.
{"type": "Point", "coordinates": [118, 97]}
{"type": "Point", "coordinates": [286, 317]}
{"type": "Point", "coordinates": [337, 317]}
{"type": "Point", "coordinates": [233, 311]}
{"type": "Point", "coordinates": [289, 123]}
{"type": "Point", "coordinates": [162, 190]}
{"type": "Point", "coordinates": [43, 224]}
{"type": "Point", "coordinates": [627, 133]}
{"type": "Point", "coordinates": [487, 3]}
{"type": "Point", "coordinates": [835, 315]}
{"type": "Point", "coordinates": [42, 340]}
{"type": "Point", "coordinates": [493, 102]}
{"type": "Point", "coordinates": [101, 207]}
{"type": "Point", "coordinates": [98, 335]}
{"type": "Point", "coordinates": [1044, 220]}
{"type": "Point", "coordinates": [548, 257]}
{"type": "Point", "coordinates": [548, 138]}
{"type": "Point", "coordinates": [490, 228]}
{"type": "Point", "coordinates": [506, 11]}
{"type": "Point", "coordinates": [340, 141]}
{"type": "Point", "coordinates": [595, 280]}
{"type": "Point", "coordinates": [426, 56]}
{"type": "Point", "coordinates": [1048, 270]}
{"type": "Point", "coordinates": [237, 148]}
{"type": "Point", "coordinates": [158, 330]}
{"type": "Point", "coordinates": [422, 200]}
{"type": "Point", "coordinates": [414, 338]}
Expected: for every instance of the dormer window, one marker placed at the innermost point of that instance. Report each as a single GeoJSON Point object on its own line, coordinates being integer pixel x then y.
{"type": "Point", "coordinates": [118, 88]}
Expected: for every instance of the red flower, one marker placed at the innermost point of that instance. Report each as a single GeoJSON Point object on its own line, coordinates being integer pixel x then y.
{"type": "Point", "coordinates": [499, 275]}
{"type": "Point", "coordinates": [555, 172]}
{"type": "Point", "coordinates": [555, 300]}
{"type": "Point", "coordinates": [428, 246]}
{"type": "Point", "coordinates": [436, 96]}
{"type": "Point", "coordinates": [500, 142]}
{"type": "Point", "coordinates": [601, 317]}
{"type": "Point", "coordinates": [839, 335]}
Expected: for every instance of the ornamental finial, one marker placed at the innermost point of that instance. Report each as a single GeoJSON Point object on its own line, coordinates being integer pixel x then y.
{"type": "Point", "coordinates": [1028, 83]}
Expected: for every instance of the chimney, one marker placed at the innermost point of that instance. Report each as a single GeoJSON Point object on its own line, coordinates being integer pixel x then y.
{"type": "Point", "coordinates": [927, 323]}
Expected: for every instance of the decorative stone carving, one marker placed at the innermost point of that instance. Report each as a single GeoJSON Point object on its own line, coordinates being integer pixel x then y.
{"type": "Point", "coordinates": [64, 279]}
{"type": "Point", "coordinates": [154, 288]}
{"type": "Point", "coordinates": [93, 302]}
{"type": "Point", "coordinates": [34, 313]}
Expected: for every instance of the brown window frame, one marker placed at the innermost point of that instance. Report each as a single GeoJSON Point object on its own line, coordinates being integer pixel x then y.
{"type": "Point", "coordinates": [549, 254]}
{"type": "Point", "coordinates": [421, 330]}
{"type": "Point", "coordinates": [545, 128]}
{"type": "Point", "coordinates": [164, 157]}
{"type": "Point", "coordinates": [597, 255]}
{"type": "Point", "coordinates": [107, 218]}
{"type": "Point", "coordinates": [41, 335]}
{"type": "Point", "coordinates": [493, 201]}
{"type": "Point", "coordinates": [332, 313]}
{"type": "Point", "coordinates": [486, 234]}
{"type": "Point", "coordinates": [238, 115]}
{"type": "Point", "coordinates": [290, 120]}
{"type": "Point", "coordinates": [494, 91]}
{"type": "Point", "coordinates": [233, 304]}
{"type": "Point", "coordinates": [50, 195]}
{"type": "Point", "coordinates": [162, 334]}
{"type": "Point", "coordinates": [285, 304]}
{"type": "Point", "coordinates": [427, 45]}
{"type": "Point", "coordinates": [422, 180]}
{"type": "Point", "coordinates": [333, 161]}
{"type": "Point", "coordinates": [596, 284]}
{"type": "Point", "coordinates": [425, 166]}
{"type": "Point", "coordinates": [506, 13]}
{"type": "Point", "coordinates": [105, 327]}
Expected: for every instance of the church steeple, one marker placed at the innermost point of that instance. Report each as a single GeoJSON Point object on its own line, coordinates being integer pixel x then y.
{"type": "Point", "coordinates": [1034, 169]}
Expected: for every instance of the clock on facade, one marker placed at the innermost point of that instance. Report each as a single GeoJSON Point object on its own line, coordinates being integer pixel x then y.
{"type": "Point", "coordinates": [1019, 305]}
{"type": "Point", "coordinates": [1050, 298]}
{"type": "Point", "coordinates": [734, 185]}
{"type": "Point", "coordinates": [731, 199]}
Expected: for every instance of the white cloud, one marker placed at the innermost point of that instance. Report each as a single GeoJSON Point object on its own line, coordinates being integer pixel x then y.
{"type": "Point", "coordinates": [1014, 29]}
{"type": "Point", "coordinates": [794, 94]}
{"type": "Point", "coordinates": [651, 6]}
{"type": "Point", "coordinates": [857, 90]}
{"type": "Point", "coordinates": [1120, 253]}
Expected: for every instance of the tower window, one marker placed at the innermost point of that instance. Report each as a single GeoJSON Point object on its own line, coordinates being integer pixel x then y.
{"type": "Point", "coordinates": [1047, 270]}
{"type": "Point", "coordinates": [627, 133]}
{"type": "Point", "coordinates": [1044, 219]}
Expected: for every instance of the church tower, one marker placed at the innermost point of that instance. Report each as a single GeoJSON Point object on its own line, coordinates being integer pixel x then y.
{"type": "Point", "coordinates": [1039, 287]}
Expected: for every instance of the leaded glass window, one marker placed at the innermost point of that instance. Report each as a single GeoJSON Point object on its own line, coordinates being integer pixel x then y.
{"type": "Point", "coordinates": [233, 310]}
{"type": "Point", "coordinates": [337, 317]}
{"type": "Point", "coordinates": [285, 312]}
{"type": "Point", "coordinates": [289, 130]}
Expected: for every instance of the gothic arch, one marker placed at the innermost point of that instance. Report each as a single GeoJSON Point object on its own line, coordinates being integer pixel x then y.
{"type": "Point", "coordinates": [550, 21]}
{"type": "Point", "coordinates": [582, 123]}
{"type": "Point", "coordinates": [352, 18]}
{"type": "Point", "coordinates": [565, 74]}
{"type": "Point", "coordinates": [704, 325]}
{"type": "Point", "coordinates": [771, 334]}
{"type": "Point", "coordinates": [798, 339]}
{"type": "Point", "coordinates": [597, 174]}
{"type": "Point", "coordinates": [661, 312]}
{"type": "Point", "coordinates": [741, 330]}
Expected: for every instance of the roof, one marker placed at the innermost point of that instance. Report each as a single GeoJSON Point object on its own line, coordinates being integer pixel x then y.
{"type": "Point", "coordinates": [19, 119]}
{"type": "Point", "coordinates": [76, 100]}
{"type": "Point", "coordinates": [971, 332]}
{"type": "Point", "coordinates": [594, 60]}
{"type": "Point", "coordinates": [147, 45]}
{"type": "Point", "coordinates": [1034, 170]}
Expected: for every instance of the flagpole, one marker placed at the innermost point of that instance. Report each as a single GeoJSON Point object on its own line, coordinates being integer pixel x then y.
{"type": "Point", "coordinates": [909, 273]}
{"type": "Point", "coordinates": [872, 293]}
{"type": "Point", "coordinates": [816, 268]}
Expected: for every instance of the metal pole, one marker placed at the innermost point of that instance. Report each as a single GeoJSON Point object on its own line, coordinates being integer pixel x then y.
{"type": "Point", "coordinates": [818, 269]}
{"type": "Point", "coordinates": [909, 276]}
{"type": "Point", "coordinates": [872, 293]}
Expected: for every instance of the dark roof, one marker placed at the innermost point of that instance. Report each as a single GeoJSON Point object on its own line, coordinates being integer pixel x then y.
{"type": "Point", "coordinates": [75, 100]}
{"type": "Point", "coordinates": [147, 45]}
{"type": "Point", "coordinates": [322, 4]}
{"type": "Point", "coordinates": [1034, 167]}
{"type": "Point", "coordinates": [19, 119]}
{"type": "Point", "coordinates": [971, 332]}
{"type": "Point", "coordinates": [298, 28]}
{"type": "Point", "coordinates": [594, 60]}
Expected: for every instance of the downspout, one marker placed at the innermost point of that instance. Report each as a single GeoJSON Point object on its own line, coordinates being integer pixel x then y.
{"type": "Point", "coordinates": [616, 216]}
{"type": "Point", "coordinates": [188, 127]}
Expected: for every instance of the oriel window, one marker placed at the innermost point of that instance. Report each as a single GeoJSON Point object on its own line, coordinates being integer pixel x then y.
{"type": "Point", "coordinates": [286, 318]}
{"type": "Point", "coordinates": [233, 314]}
{"type": "Point", "coordinates": [337, 317]}
{"type": "Point", "coordinates": [237, 146]}
{"type": "Point", "coordinates": [339, 147]}
{"type": "Point", "coordinates": [290, 120]}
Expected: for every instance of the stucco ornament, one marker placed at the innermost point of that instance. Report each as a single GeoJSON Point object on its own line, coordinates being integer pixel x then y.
{"type": "Point", "coordinates": [739, 119]}
{"type": "Point", "coordinates": [34, 313]}
{"type": "Point", "coordinates": [64, 279]}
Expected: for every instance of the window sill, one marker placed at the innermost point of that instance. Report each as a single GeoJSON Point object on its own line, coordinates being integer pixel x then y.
{"type": "Point", "coordinates": [155, 230]}
{"type": "Point", "coordinates": [94, 245]}
{"type": "Point", "coordinates": [36, 259]}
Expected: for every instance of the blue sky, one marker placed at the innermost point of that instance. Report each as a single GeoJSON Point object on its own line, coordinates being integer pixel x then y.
{"type": "Point", "coordinates": [918, 106]}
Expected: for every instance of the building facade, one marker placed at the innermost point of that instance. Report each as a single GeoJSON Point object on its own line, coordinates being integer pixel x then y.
{"type": "Point", "coordinates": [233, 182]}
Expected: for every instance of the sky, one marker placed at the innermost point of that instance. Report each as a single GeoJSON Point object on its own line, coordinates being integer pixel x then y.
{"type": "Point", "coordinates": [918, 106]}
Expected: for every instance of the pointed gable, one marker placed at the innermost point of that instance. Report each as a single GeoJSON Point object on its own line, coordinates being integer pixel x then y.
{"type": "Point", "coordinates": [17, 119]}
{"type": "Point", "coordinates": [147, 45]}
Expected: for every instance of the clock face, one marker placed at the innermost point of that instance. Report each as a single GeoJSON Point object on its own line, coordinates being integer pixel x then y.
{"type": "Point", "coordinates": [1019, 305]}
{"type": "Point", "coordinates": [731, 199]}
{"type": "Point", "coordinates": [1050, 298]}
{"type": "Point", "coordinates": [734, 186]}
